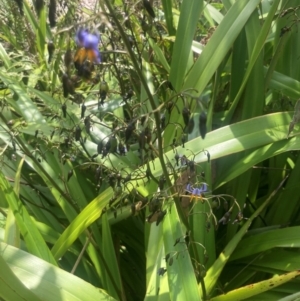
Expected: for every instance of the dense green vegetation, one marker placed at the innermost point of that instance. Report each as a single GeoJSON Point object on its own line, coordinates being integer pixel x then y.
{"type": "Point", "coordinates": [164, 167]}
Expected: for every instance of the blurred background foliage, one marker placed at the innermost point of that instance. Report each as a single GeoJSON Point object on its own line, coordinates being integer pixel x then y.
{"type": "Point", "coordinates": [169, 170]}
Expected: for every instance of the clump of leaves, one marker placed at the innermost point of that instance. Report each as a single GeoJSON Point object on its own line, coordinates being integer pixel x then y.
{"type": "Point", "coordinates": [128, 154]}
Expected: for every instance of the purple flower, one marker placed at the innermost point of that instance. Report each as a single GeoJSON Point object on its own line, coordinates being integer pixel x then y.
{"type": "Point", "coordinates": [90, 42]}
{"type": "Point", "coordinates": [196, 191]}
{"type": "Point", "coordinates": [204, 187]}
{"type": "Point", "coordinates": [189, 188]}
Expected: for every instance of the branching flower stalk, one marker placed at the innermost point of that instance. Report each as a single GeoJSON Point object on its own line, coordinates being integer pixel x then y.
{"type": "Point", "coordinates": [148, 92]}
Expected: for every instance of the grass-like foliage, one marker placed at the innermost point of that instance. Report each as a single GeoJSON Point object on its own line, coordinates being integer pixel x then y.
{"type": "Point", "coordinates": [149, 150]}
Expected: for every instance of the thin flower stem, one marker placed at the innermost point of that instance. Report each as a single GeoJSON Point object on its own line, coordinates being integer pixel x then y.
{"type": "Point", "coordinates": [148, 92]}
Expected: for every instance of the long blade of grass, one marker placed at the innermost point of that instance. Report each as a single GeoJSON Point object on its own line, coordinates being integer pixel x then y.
{"type": "Point", "coordinates": [256, 156]}
{"type": "Point", "coordinates": [257, 288]}
{"type": "Point", "coordinates": [280, 238]}
{"type": "Point", "coordinates": [49, 282]}
{"type": "Point", "coordinates": [181, 275]}
{"type": "Point", "coordinates": [12, 232]}
{"type": "Point", "coordinates": [260, 41]}
{"type": "Point", "coordinates": [167, 7]}
{"type": "Point", "coordinates": [34, 240]}
{"type": "Point", "coordinates": [114, 289]}
{"type": "Point", "coordinates": [219, 44]}
{"type": "Point", "coordinates": [189, 14]}
{"type": "Point", "coordinates": [11, 288]}
{"type": "Point", "coordinates": [88, 215]}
